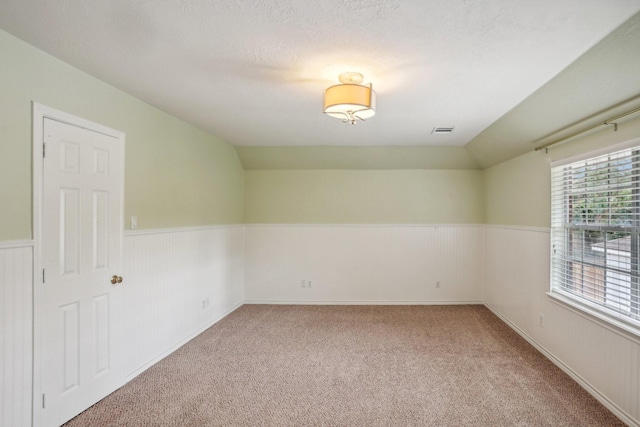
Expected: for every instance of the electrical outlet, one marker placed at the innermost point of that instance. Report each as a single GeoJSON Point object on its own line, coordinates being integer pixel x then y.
{"type": "Point", "coordinates": [438, 284]}
{"type": "Point", "coordinates": [308, 283]}
{"type": "Point", "coordinates": [303, 284]}
{"type": "Point", "coordinates": [205, 303]}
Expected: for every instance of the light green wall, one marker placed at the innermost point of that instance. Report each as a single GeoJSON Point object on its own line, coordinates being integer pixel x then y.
{"type": "Point", "coordinates": [518, 192]}
{"type": "Point", "coordinates": [355, 158]}
{"type": "Point", "coordinates": [364, 197]}
{"type": "Point", "coordinates": [176, 175]}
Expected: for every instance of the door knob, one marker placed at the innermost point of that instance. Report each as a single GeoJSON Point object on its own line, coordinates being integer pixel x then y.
{"type": "Point", "coordinates": [116, 279]}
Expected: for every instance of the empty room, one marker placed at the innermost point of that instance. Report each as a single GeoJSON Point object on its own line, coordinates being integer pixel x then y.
{"type": "Point", "coordinates": [320, 213]}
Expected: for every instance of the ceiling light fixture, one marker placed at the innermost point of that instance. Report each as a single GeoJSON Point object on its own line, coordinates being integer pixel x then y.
{"type": "Point", "coordinates": [350, 101]}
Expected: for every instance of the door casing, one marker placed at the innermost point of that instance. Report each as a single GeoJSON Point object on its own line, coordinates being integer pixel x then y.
{"type": "Point", "coordinates": [39, 113]}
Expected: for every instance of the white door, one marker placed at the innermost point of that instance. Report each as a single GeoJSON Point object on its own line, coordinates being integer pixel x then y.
{"type": "Point", "coordinates": [81, 257]}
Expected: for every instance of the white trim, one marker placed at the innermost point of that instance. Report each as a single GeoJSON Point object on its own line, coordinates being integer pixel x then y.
{"type": "Point", "coordinates": [38, 113]}
{"type": "Point", "coordinates": [483, 263]}
{"type": "Point", "coordinates": [365, 225]}
{"type": "Point", "coordinates": [153, 231]}
{"type": "Point", "coordinates": [597, 316]}
{"type": "Point", "coordinates": [617, 411]}
{"type": "Point", "coordinates": [173, 348]}
{"type": "Point", "coordinates": [519, 228]}
{"type": "Point", "coordinates": [15, 244]}
{"type": "Point", "coordinates": [361, 302]}
{"type": "Point", "coordinates": [599, 152]}
{"type": "Point", "coordinates": [60, 116]}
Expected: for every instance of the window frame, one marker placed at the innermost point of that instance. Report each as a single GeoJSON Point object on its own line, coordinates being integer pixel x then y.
{"type": "Point", "coordinates": [629, 323]}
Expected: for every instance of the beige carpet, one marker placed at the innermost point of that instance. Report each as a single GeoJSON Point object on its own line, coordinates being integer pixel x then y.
{"type": "Point", "coordinates": [271, 365]}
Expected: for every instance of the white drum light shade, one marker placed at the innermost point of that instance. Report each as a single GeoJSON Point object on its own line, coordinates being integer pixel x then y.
{"type": "Point", "coordinates": [350, 102]}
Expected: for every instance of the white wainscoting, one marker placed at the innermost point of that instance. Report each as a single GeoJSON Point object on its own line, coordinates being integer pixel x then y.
{"type": "Point", "coordinates": [169, 273]}
{"type": "Point", "coordinates": [179, 282]}
{"type": "Point", "coordinates": [361, 264]}
{"type": "Point", "coordinates": [16, 318]}
{"type": "Point", "coordinates": [602, 359]}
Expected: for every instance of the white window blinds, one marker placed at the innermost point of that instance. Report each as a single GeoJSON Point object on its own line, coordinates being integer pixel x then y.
{"type": "Point", "coordinates": [595, 224]}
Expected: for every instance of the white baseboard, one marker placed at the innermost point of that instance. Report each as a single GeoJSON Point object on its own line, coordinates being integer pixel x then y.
{"type": "Point", "coordinates": [362, 302]}
{"type": "Point", "coordinates": [576, 377]}
{"type": "Point", "coordinates": [166, 353]}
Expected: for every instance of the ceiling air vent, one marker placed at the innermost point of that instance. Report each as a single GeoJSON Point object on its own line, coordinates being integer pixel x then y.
{"type": "Point", "coordinates": [441, 130]}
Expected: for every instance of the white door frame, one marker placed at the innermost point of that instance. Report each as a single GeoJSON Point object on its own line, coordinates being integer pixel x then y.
{"type": "Point", "coordinates": [39, 113]}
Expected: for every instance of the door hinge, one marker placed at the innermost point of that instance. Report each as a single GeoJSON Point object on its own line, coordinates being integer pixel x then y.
{"type": "Point", "coordinates": [44, 149]}
{"type": "Point", "coordinates": [43, 270]}
{"type": "Point", "coordinates": [43, 401]}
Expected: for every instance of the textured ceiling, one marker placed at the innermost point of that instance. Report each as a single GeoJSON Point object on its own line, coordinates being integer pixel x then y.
{"type": "Point", "coordinates": [252, 72]}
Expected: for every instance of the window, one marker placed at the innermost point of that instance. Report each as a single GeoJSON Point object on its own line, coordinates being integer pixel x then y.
{"type": "Point", "coordinates": [595, 229]}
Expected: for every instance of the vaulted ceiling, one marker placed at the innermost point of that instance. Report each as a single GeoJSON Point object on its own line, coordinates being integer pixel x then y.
{"type": "Point", "coordinates": [504, 74]}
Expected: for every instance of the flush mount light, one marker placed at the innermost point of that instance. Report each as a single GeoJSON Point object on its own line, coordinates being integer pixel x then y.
{"type": "Point", "coordinates": [350, 101]}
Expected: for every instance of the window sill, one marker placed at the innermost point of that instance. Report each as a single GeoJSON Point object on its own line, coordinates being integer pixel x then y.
{"type": "Point", "coordinates": [628, 329]}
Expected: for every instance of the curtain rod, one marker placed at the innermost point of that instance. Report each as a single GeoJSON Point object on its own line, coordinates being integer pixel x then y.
{"type": "Point", "coordinates": [605, 123]}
